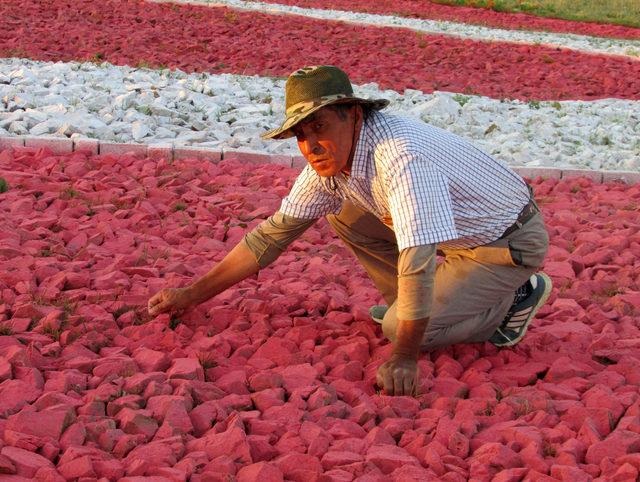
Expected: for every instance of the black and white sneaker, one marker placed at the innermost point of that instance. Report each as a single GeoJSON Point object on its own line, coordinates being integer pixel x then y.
{"type": "Point", "coordinates": [528, 299]}
{"type": "Point", "coordinates": [377, 312]}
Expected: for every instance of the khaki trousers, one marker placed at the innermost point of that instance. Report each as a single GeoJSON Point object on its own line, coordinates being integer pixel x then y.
{"type": "Point", "coordinates": [473, 288]}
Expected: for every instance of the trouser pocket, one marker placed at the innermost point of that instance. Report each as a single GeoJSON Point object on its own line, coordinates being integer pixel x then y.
{"type": "Point", "coordinates": [498, 252]}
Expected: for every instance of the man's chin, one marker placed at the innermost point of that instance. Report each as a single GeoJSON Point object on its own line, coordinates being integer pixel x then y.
{"type": "Point", "coordinates": [324, 171]}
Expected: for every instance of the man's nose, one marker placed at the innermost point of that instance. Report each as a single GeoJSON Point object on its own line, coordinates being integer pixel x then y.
{"type": "Point", "coordinates": [314, 146]}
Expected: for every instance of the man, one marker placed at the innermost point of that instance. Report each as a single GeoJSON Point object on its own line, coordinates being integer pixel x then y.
{"type": "Point", "coordinates": [396, 191]}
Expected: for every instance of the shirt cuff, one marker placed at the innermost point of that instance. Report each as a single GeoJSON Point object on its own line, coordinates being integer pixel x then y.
{"type": "Point", "coordinates": [269, 239]}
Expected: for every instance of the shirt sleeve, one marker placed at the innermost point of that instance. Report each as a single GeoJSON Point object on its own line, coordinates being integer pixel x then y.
{"type": "Point", "coordinates": [309, 198]}
{"type": "Point", "coordinates": [416, 271]}
{"type": "Point", "coordinates": [419, 202]}
{"type": "Point", "coordinates": [269, 239]}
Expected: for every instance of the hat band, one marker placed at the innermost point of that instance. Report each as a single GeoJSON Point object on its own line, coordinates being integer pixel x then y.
{"type": "Point", "coordinates": [305, 105]}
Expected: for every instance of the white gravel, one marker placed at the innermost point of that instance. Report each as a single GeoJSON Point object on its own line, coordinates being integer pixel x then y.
{"type": "Point", "coordinates": [125, 104]}
{"type": "Point", "coordinates": [583, 43]}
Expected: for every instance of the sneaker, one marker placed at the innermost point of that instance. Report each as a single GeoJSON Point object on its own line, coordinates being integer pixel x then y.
{"type": "Point", "coordinates": [377, 312]}
{"type": "Point", "coordinates": [524, 308]}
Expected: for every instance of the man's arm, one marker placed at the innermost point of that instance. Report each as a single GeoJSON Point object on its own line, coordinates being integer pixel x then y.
{"type": "Point", "coordinates": [237, 265]}
{"type": "Point", "coordinates": [416, 269]}
{"type": "Point", "coordinates": [258, 249]}
{"type": "Point", "coordinates": [272, 237]}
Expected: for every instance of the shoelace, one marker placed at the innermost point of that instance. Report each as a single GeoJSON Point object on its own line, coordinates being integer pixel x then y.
{"type": "Point", "coordinates": [521, 294]}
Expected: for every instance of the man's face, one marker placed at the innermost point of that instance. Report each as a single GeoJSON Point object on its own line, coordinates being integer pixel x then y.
{"type": "Point", "coordinates": [326, 139]}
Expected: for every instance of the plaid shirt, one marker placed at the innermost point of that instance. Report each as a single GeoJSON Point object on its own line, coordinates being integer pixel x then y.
{"type": "Point", "coordinates": [429, 185]}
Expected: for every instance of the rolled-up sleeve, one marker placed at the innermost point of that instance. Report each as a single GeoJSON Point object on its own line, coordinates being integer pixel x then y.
{"type": "Point", "coordinates": [416, 271]}
{"type": "Point", "coordinates": [269, 239]}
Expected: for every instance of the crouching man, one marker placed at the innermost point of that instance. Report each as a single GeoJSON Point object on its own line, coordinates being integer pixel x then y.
{"type": "Point", "coordinates": [396, 191]}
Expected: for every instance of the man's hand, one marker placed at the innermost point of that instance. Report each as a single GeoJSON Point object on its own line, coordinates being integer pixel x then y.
{"type": "Point", "coordinates": [398, 376]}
{"type": "Point", "coordinates": [172, 300]}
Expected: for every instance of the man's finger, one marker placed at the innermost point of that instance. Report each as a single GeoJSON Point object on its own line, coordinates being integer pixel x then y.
{"type": "Point", "coordinates": [388, 382]}
{"type": "Point", "coordinates": [398, 382]}
{"type": "Point", "coordinates": [409, 384]}
{"type": "Point", "coordinates": [155, 299]}
{"type": "Point", "coordinates": [159, 308]}
{"type": "Point", "coordinates": [379, 380]}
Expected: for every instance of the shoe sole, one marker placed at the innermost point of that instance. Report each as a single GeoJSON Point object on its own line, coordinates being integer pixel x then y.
{"type": "Point", "coordinates": [548, 285]}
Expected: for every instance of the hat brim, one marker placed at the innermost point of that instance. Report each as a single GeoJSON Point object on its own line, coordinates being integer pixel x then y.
{"type": "Point", "coordinates": [284, 131]}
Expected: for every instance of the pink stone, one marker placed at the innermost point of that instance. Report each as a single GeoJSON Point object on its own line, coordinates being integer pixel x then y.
{"type": "Point", "coordinates": [176, 420]}
{"type": "Point", "coordinates": [265, 379]}
{"type": "Point", "coordinates": [618, 443]}
{"type": "Point", "coordinates": [458, 445]}
{"type": "Point", "coordinates": [27, 463]}
{"type": "Point", "coordinates": [297, 376]}
{"type": "Point", "coordinates": [20, 325]}
{"type": "Point", "coordinates": [261, 449]}
{"type": "Point", "coordinates": [63, 381]}
{"type": "Point", "coordinates": [74, 435]}
{"type": "Point", "coordinates": [626, 471]}
{"type": "Point", "coordinates": [389, 457]}
{"type": "Point", "coordinates": [187, 368]}
{"type": "Point", "coordinates": [138, 383]}
{"type": "Point", "coordinates": [114, 279]}
{"type": "Point", "coordinates": [565, 367]}
{"type": "Point", "coordinates": [292, 465]}
{"type": "Point", "coordinates": [266, 399]}
{"type": "Point", "coordinates": [160, 405]}
{"type": "Point", "coordinates": [223, 464]}
{"type": "Point", "coordinates": [6, 465]}
{"type": "Point", "coordinates": [322, 396]}
{"type": "Point", "coordinates": [47, 424]}
{"type": "Point", "coordinates": [278, 350]}
{"type": "Point", "coordinates": [260, 472]}
{"type": "Point", "coordinates": [233, 382]}
{"type": "Point", "coordinates": [163, 453]}
{"type": "Point", "coordinates": [48, 474]}
{"type": "Point", "coordinates": [136, 423]}
{"type": "Point", "coordinates": [379, 436]}
{"type": "Point", "coordinates": [333, 459]}
{"type": "Point", "coordinates": [80, 467]}
{"type": "Point", "coordinates": [559, 269]}
{"type": "Point", "coordinates": [6, 372]}
{"type": "Point", "coordinates": [204, 415]}
{"type": "Point", "coordinates": [396, 426]}
{"type": "Point", "coordinates": [15, 394]}
{"type": "Point", "coordinates": [232, 441]}
{"type": "Point", "coordinates": [450, 387]}
{"type": "Point", "coordinates": [496, 455]}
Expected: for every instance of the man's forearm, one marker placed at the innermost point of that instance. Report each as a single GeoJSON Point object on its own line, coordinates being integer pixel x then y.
{"type": "Point", "coordinates": [409, 335]}
{"type": "Point", "coordinates": [237, 265]}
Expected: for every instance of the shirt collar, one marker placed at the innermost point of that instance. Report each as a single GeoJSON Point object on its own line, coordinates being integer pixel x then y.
{"type": "Point", "coordinates": [361, 155]}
